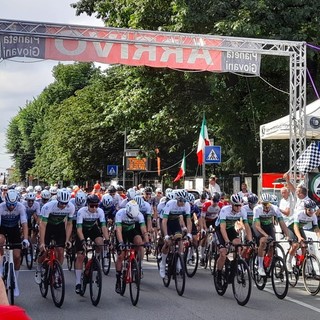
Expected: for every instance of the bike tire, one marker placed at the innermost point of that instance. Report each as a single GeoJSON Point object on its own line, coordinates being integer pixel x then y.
{"type": "Point", "coordinates": [84, 278]}
{"type": "Point", "coordinates": [44, 284]}
{"type": "Point", "coordinates": [259, 281]}
{"type": "Point", "coordinates": [191, 266]}
{"type": "Point", "coordinates": [279, 251]}
{"type": "Point", "coordinates": [221, 290]}
{"type": "Point", "coordinates": [106, 260]}
{"type": "Point", "coordinates": [29, 251]}
{"type": "Point", "coordinates": [134, 284]}
{"type": "Point", "coordinates": [168, 273]}
{"type": "Point", "coordinates": [57, 284]}
{"type": "Point", "coordinates": [11, 285]}
{"type": "Point", "coordinates": [179, 274]}
{"type": "Point", "coordinates": [311, 274]}
{"type": "Point", "coordinates": [293, 276]}
{"type": "Point", "coordinates": [95, 281]}
{"type": "Point", "coordinates": [242, 283]}
{"type": "Point", "coordinates": [279, 277]}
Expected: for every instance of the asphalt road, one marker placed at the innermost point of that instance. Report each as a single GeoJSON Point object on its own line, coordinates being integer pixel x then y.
{"type": "Point", "coordinates": [200, 301]}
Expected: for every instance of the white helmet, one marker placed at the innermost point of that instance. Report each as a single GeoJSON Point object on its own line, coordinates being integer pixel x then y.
{"type": "Point", "coordinates": [30, 196]}
{"type": "Point", "coordinates": [131, 193]}
{"type": "Point", "coordinates": [45, 194]}
{"type": "Point", "coordinates": [168, 190]}
{"type": "Point", "coordinates": [53, 190]}
{"type": "Point", "coordinates": [80, 198]}
{"type": "Point", "coordinates": [63, 195]}
{"type": "Point", "coordinates": [37, 188]}
{"type": "Point", "coordinates": [132, 209]}
{"type": "Point", "coordinates": [139, 200]}
{"type": "Point", "coordinates": [107, 200]}
{"type": "Point", "coordinates": [29, 189]}
{"type": "Point", "coordinates": [12, 197]}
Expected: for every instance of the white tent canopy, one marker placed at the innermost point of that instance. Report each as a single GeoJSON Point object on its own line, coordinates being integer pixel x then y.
{"type": "Point", "coordinates": [279, 129]}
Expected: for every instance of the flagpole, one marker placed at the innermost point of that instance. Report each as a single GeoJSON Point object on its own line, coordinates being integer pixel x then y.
{"type": "Point", "coordinates": [204, 174]}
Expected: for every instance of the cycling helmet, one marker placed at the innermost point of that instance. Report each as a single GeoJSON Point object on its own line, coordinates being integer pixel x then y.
{"type": "Point", "coordinates": [168, 190]}
{"type": "Point", "coordinates": [309, 204]}
{"type": "Point", "coordinates": [132, 209]}
{"type": "Point", "coordinates": [252, 198]}
{"type": "Point", "coordinates": [45, 194]}
{"type": "Point", "coordinates": [191, 198]}
{"type": "Point", "coordinates": [112, 189]}
{"type": "Point", "coordinates": [37, 188]}
{"type": "Point", "coordinates": [30, 196]}
{"type": "Point", "coordinates": [265, 197]}
{"type": "Point", "coordinates": [120, 188]}
{"type": "Point", "coordinates": [147, 190]}
{"type": "Point", "coordinates": [107, 200]}
{"type": "Point", "coordinates": [29, 189]}
{"type": "Point", "coordinates": [80, 198]}
{"type": "Point", "coordinates": [12, 197]}
{"type": "Point", "coordinates": [139, 200]}
{"type": "Point", "coordinates": [131, 193]}
{"type": "Point", "coordinates": [181, 195]}
{"type": "Point", "coordinates": [63, 195]}
{"type": "Point", "coordinates": [53, 190]}
{"type": "Point", "coordinates": [170, 195]}
{"type": "Point", "coordinates": [236, 199]}
{"type": "Point", "coordinates": [215, 197]}
{"type": "Point", "coordinates": [93, 198]}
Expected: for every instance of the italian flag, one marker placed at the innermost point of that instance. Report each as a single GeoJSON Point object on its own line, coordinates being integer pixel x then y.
{"type": "Point", "coordinates": [203, 141]}
{"type": "Point", "coordinates": [182, 170]}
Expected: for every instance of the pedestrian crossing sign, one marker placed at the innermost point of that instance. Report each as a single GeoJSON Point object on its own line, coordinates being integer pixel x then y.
{"type": "Point", "coordinates": [112, 170]}
{"type": "Point", "coordinates": [212, 154]}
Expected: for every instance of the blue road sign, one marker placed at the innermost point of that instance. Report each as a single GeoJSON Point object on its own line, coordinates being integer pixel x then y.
{"type": "Point", "coordinates": [212, 154]}
{"type": "Point", "coordinates": [112, 170]}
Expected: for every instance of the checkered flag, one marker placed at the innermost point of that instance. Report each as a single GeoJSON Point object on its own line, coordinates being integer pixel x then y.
{"type": "Point", "coordinates": [310, 159]}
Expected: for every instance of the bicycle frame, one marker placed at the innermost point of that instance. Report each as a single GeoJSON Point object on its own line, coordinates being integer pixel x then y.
{"type": "Point", "coordinates": [8, 272]}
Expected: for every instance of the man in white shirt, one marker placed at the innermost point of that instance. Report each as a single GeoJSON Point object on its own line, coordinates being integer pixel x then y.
{"type": "Point", "coordinates": [285, 204]}
{"type": "Point", "coordinates": [213, 186]}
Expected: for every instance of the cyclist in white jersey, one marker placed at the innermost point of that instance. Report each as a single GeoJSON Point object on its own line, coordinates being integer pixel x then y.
{"type": "Point", "coordinates": [12, 214]}
{"type": "Point", "coordinates": [226, 232]}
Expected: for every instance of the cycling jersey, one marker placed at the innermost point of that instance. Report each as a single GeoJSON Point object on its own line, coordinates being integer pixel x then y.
{"type": "Point", "coordinates": [249, 213]}
{"type": "Point", "coordinates": [109, 212]}
{"type": "Point", "coordinates": [52, 214]}
{"type": "Point", "coordinates": [229, 217]}
{"type": "Point", "coordinates": [210, 211]}
{"type": "Point", "coordinates": [301, 219]}
{"type": "Point", "coordinates": [34, 209]}
{"type": "Point", "coordinates": [266, 217]}
{"type": "Point", "coordinates": [76, 207]}
{"type": "Point", "coordinates": [127, 223]}
{"type": "Point", "coordinates": [160, 208]}
{"type": "Point", "coordinates": [87, 220]}
{"type": "Point", "coordinates": [11, 219]}
{"type": "Point", "coordinates": [146, 210]}
{"type": "Point", "coordinates": [172, 211]}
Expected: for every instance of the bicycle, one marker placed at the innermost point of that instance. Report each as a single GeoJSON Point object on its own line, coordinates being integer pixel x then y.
{"type": "Point", "coordinates": [235, 272]}
{"type": "Point", "coordinates": [70, 255]}
{"type": "Point", "coordinates": [309, 267]}
{"type": "Point", "coordinates": [27, 253]}
{"type": "Point", "coordinates": [191, 258]}
{"type": "Point", "coordinates": [175, 267]}
{"type": "Point", "coordinates": [106, 257]}
{"type": "Point", "coordinates": [91, 275]}
{"type": "Point", "coordinates": [274, 268]}
{"type": "Point", "coordinates": [210, 250]}
{"type": "Point", "coordinates": [8, 275]}
{"type": "Point", "coordinates": [52, 275]}
{"type": "Point", "coordinates": [131, 272]}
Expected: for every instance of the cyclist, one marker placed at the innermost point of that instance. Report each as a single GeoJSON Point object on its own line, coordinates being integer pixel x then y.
{"type": "Point", "coordinates": [131, 193]}
{"type": "Point", "coordinates": [45, 197]}
{"type": "Point", "coordinates": [263, 217]}
{"type": "Point", "coordinates": [145, 209]}
{"type": "Point", "coordinates": [37, 190]}
{"type": "Point", "coordinates": [89, 219]}
{"type": "Point", "coordinates": [53, 191]}
{"type": "Point", "coordinates": [79, 201]}
{"type": "Point", "coordinates": [301, 219]}
{"type": "Point", "coordinates": [115, 196]}
{"type": "Point", "coordinates": [12, 214]}
{"type": "Point", "coordinates": [171, 223]}
{"type": "Point", "coordinates": [121, 191]}
{"type": "Point", "coordinates": [53, 226]}
{"type": "Point", "coordinates": [130, 228]}
{"type": "Point", "coordinates": [108, 207]}
{"type": "Point", "coordinates": [226, 232]}
{"type": "Point", "coordinates": [252, 202]}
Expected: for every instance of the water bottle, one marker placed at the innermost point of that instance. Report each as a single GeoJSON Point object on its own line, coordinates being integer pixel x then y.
{"type": "Point", "coordinates": [266, 261]}
{"type": "Point", "coordinates": [299, 259]}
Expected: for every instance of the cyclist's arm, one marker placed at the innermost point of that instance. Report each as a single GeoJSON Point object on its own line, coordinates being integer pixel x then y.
{"type": "Point", "coordinates": [189, 224]}
{"type": "Point", "coordinates": [25, 230]}
{"type": "Point", "coordinates": [248, 231]}
{"type": "Point", "coordinates": [223, 230]}
{"type": "Point", "coordinates": [144, 232]}
{"type": "Point", "coordinates": [257, 225]}
{"type": "Point", "coordinates": [68, 230]}
{"type": "Point", "coordinates": [119, 232]}
{"type": "Point", "coordinates": [284, 227]}
{"type": "Point", "coordinates": [105, 232]}
{"type": "Point", "coordinates": [297, 232]}
{"type": "Point", "coordinates": [43, 226]}
{"type": "Point", "coordinates": [79, 232]}
{"type": "Point", "coordinates": [164, 226]}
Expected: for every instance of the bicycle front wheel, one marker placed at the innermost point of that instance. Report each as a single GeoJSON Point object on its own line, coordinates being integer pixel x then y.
{"type": "Point", "coordinates": [57, 284]}
{"type": "Point", "coordinates": [260, 281]}
{"type": "Point", "coordinates": [12, 284]}
{"type": "Point", "coordinates": [95, 281]}
{"type": "Point", "coordinates": [179, 274]}
{"type": "Point", "coordinates": [220, 280]}
{"type": "Point", "coordinates": [293, 276]}
{"type": "Point", "coordinates": [44, 284]}
{"type": "Point", "coordinates": [279, 277]}
{"type": "Point", "coordinates": [191, 260]}
{"type": "Point", "coordinates": [241, 284]}
{"type": "Point", "coordinates": [166, 280]}
{"type": "Point", "coordinates": [134, 283]}
{"type": "Point", "coordinates": [106, 260]}
{"type": "Point", "coordinates": [29, 256]}
{"type": "Point", "coordinates": [311, 274]}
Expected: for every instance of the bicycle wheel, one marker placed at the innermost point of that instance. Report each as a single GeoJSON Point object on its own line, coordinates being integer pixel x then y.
{"type": "Point", "coordinates": [166, 280]}
{"type": "Point", "coordinates": [241, 284]}
{"type": "Point", "coordinates": [293, 276]}
{"type": "Point", "coordinates": [279, 277]}
{"type": "Point", "coordinates": [106, 260]}
{"type": "Point", "coordinates": [191, 260]}
{"type": "Point", "coordinates": [258, 280]}
{"type": "Point", "coordinates": [123, 281]}
{"type": "Point", "coordinates": [95, 281]}
{"type": "Point", "coordinates": [134, 284]}
{"type": "Point", "coordinates": [57, 284]}
{"type": "Point", "coordinates": [222, 284]}
{"type": "Point", "coordinates": [84, 277]}
{"type": "Point", "coordinates": [279, 251]}
{"type": "Point", "coordinates": [311, 274]}
{"type": "Point", "coordinates": [29, 256]}
{"type": "Point", "coordinates": [44, 284]}
{"type": "Point", "coordinates": [12, 284]}
{"type": "Point", "coordinates": [68, 257]}
{"type": "Point", "coordinates": [179, 274]}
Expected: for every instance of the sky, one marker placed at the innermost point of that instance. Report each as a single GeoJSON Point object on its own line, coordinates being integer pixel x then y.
{"type": "Point", "coordinates": [24, 80]}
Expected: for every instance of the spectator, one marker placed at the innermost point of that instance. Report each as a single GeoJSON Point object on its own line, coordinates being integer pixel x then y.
{"type": "Point", "coordinates": [244, 192]}
{"type": "Point", "coordinates": [213, 186]}
{"type": "Point", "coordinates": [285, 204]}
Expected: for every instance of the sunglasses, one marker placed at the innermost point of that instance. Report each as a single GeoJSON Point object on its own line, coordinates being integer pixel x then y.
{"type": "Point", "coordinates": [148, 193]}
{"type": "Point", "coordinates": [62, 203]}
{"type": "Point", "coordinates": [93, 205]}
{"type": "Point", "coordinates": [238, 205]}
